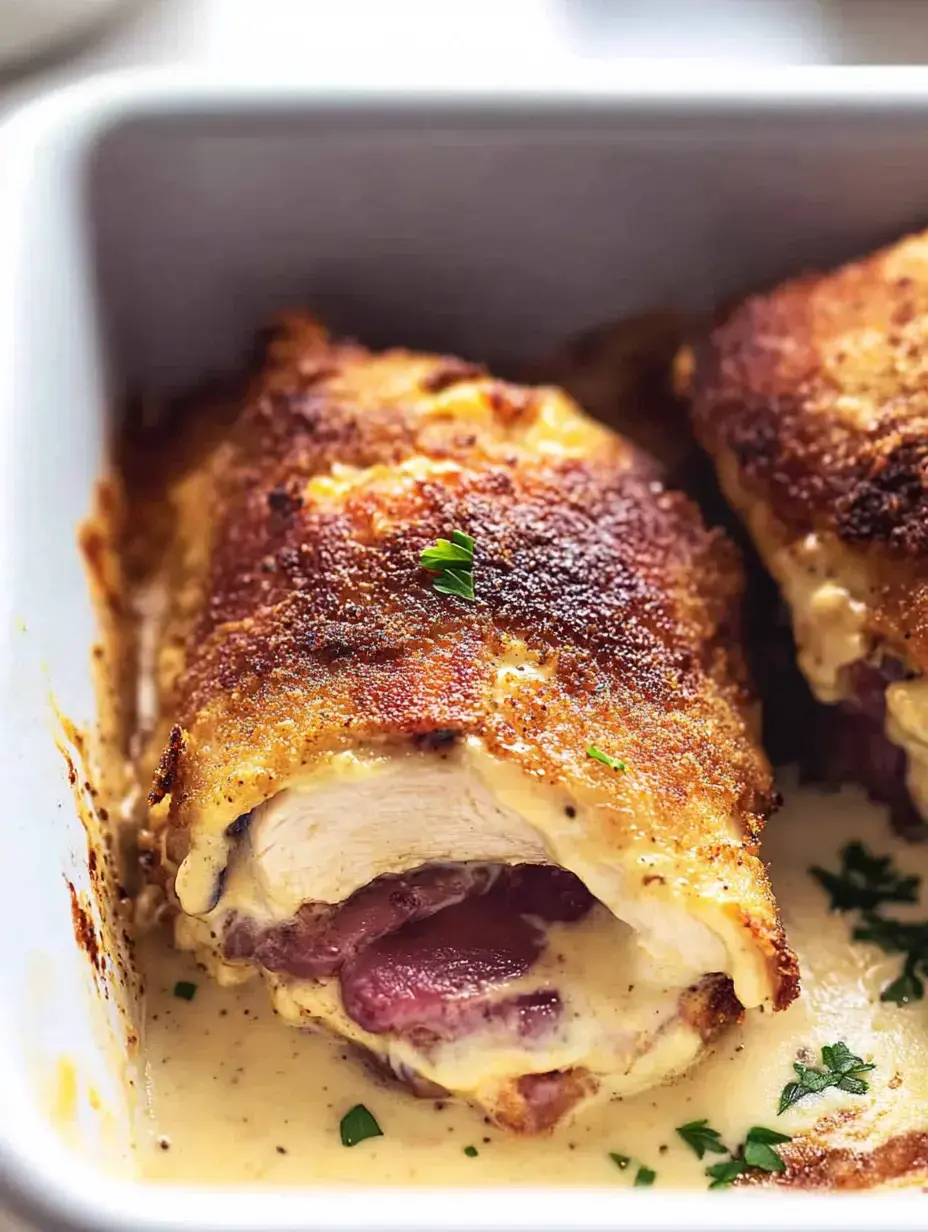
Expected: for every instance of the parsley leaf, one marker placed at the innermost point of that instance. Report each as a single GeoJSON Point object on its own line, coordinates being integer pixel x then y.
{"type": "Point", "coordinates": [357, 1124]}
{"type": "Point", "coordinates": [643, 1177]}
{"type": "Point", "coordinates": [759, 1152]}
{"type": "Point", "coordinates": [701, 1138]}
{"type": "Point", "coordinates": [724, 1173]}
{"type": "Point", "coordinates": [899, 937]}
{"type": "Point", "coordinates": [471, 1152]}
{"type": "Point", "coordinates": [865, 881]}
{"type": "Point", "coordinates": [842, 1070]}
{"type": "Point", "coordinates": [185, 990]}
{"type": "Point", "coordinates": [453, 560]}
{"type": "Point", "coordinates": [893, 936]}
{"type": "Point", "coordinates": [906, 987]}
{"type": "Point", "coordinates": [612, 762]}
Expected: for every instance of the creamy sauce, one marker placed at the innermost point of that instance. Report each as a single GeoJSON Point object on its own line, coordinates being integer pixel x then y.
{"type": "Point", "coordinates": [236, 1096]}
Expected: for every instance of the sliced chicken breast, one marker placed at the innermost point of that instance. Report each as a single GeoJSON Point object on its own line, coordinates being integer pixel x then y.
{"type": "Point", "coordinates": [506, 846]}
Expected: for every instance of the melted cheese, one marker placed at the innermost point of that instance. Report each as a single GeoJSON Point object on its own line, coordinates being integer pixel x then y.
{"type": "Point", "coordinates": [829, 624]}
{"type": "Point", "coordinates": [620, 1017]}
{"type": "Point", "coordinates": [831, 629]}
{"type": "Point", "coordinates": [236, 1096]}
{"type": "Point", "coordinates": [342, 481]}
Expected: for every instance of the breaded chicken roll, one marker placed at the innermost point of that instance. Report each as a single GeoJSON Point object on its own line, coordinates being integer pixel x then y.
{"type": "Point", "coordinates": [457, 745]}
{"type": "Point", "coordinates": [813, 401]}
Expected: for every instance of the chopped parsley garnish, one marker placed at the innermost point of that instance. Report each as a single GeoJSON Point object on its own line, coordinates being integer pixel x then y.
{"type": "Point", "coordinates": [453, 560]}
{"type": "Point", "coordinates": [471, 1152]}
{"type": "Point", "coordinates": [185, 990]}
{"type": "Point", "coordinates": [842, 1070]}
{"type": "Point", "coordinates": [723, 1174]}
{"type": "Point", "coordinates": [897, 937]}
{"type": "Point", "coordinates": [357, 1124]}
{"type": "Point", "coordinates": [865, 881]}
{"type": "Point", "coordinates": [612, 762]}
{"type": "Point", "coordinates": [701, 1138]}
{"type": "Point", "coordinates": [864, 884]}
{"type": "Point", "coordinates": [906, 987]}
{"type": "Point", "coordinates": [644, 1176]}
{"type": "Point", "coordinates": [757, 1152]}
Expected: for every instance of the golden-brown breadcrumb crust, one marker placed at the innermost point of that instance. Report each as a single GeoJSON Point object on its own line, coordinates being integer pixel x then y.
{"type": "Point", "coordinates": [818, 392]}
{"type": "Point", "coordinates": [813, 1165]}
{"type": "Point", "coordinates": [304, 623]}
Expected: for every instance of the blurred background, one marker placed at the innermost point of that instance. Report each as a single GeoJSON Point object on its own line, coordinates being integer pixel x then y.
{"type": "Point", "coordinates": [47, 42]}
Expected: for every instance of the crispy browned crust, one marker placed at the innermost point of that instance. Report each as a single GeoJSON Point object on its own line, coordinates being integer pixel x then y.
{"type": "Point", "coordinates": [710, 1006]}
{"type": "Point", "coordinates": [163, 779]}
{"type": "Point", "coordinates": [304, 622]}
{"type": "Point", "coordinates": [537, 1103]}
{"type": "Point", "coordinates": [817, 393]}
{"type": "Point", "coordinates": [813, 1165]}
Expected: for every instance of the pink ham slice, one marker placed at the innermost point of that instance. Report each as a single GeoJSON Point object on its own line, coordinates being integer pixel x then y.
{"type": "Point", "coordinates": [421, 953]}
{"type": "Point", "coordinates": [432, 974]}
{"type": "Point", "coordinates": [853, 746]}
{"type": "Point", "coordinates": [321, 937]}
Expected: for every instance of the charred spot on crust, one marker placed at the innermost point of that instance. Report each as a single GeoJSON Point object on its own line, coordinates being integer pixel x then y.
{"type": "Point", "coordinates": [889, 502]}
{"type": "Point", "coordinates": [441, 738]}
{"type": "Point", "coordinates": [341, 640]}
{"type": "Point", "coordinates": [167, 767]}
{"type": "Point", "coordinates": [511, 402]}
{"type": "Point", "coordinates": [282, 502]}
{"type": "Point", "coordinates": [451, 372]}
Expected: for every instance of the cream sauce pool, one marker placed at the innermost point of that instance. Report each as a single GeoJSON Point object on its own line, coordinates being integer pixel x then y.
{"type": "Point", "coordinates": [236, 1096]}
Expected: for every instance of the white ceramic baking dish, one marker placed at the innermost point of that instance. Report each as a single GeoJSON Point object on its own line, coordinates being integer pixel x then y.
{"type": "Point", "coordinates": [147, 225]}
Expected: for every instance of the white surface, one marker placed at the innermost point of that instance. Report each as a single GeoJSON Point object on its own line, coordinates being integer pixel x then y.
{"type": "Point", "coordinates": [201, 225]}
